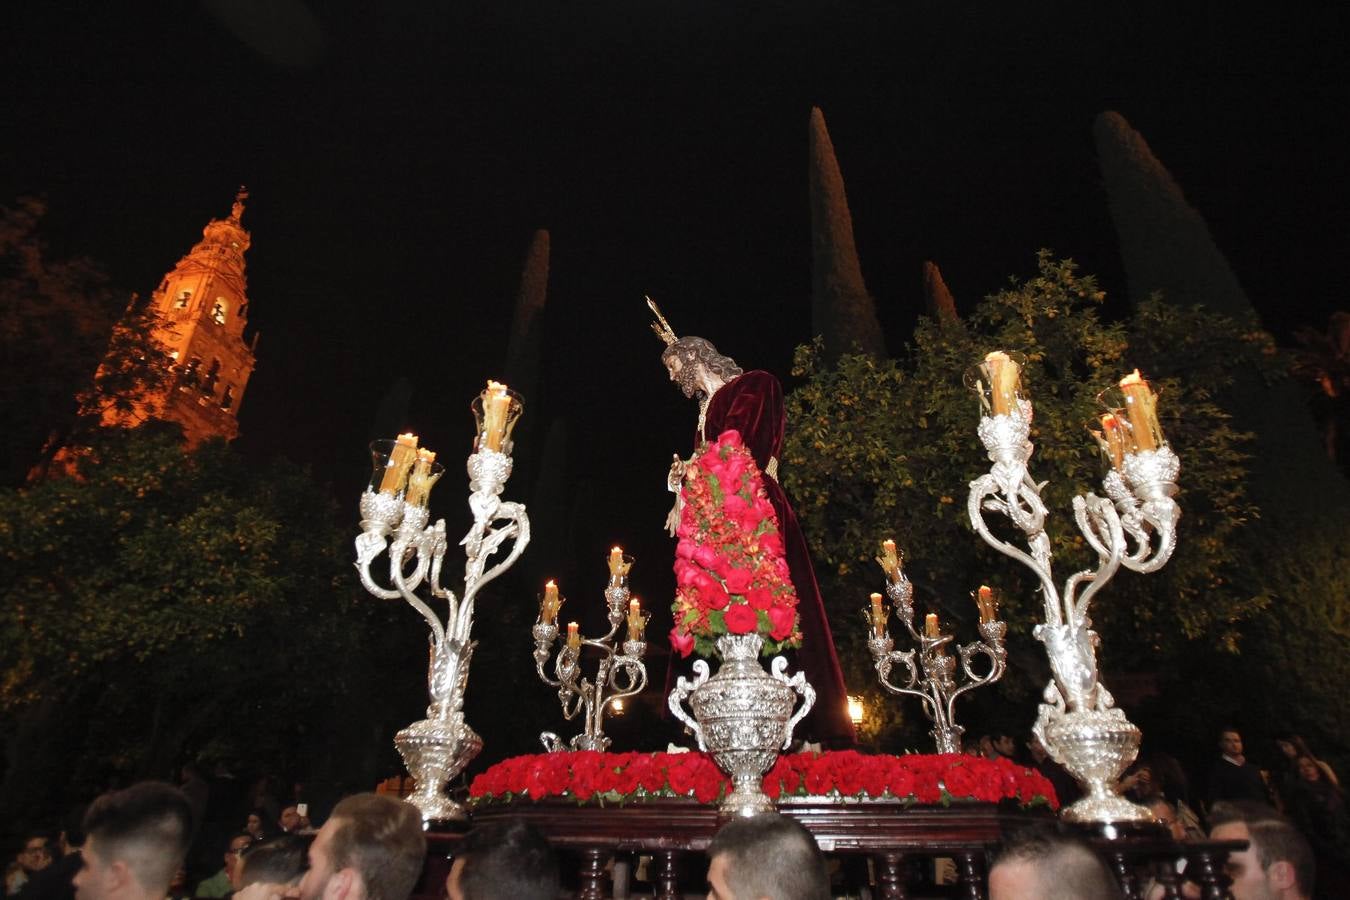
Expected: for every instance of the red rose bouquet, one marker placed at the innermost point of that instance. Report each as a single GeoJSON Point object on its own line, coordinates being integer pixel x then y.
{"type": "Point", "coordinates": [730, 571]}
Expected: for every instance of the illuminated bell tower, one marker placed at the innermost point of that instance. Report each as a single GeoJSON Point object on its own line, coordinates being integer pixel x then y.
{"type": "Point", "coordinates": [203, 302]}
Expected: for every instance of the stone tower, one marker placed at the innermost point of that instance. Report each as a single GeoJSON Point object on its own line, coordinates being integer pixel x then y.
{"type": "Point", "coordinates": [203, 303]}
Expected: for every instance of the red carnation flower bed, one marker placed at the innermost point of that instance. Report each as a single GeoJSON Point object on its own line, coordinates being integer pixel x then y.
{"type": "Point", "coordinates": [590, 777]}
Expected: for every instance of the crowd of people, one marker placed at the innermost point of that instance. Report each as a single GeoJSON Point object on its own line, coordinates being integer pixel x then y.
{"type": "Point", "coordinates": [134, 844]}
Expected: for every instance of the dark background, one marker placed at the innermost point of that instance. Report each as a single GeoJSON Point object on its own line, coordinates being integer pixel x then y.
{"type": "Point", "coordinates": [400, 155]}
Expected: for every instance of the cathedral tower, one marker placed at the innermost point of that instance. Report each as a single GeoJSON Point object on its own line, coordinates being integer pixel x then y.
{"type": "Point", "coordinates": [203, 304]}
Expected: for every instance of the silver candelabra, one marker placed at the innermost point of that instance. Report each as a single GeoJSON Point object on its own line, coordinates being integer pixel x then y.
{"type": "Point", "coordinates": [618, 675]}
{"type": "Point", "coordinates": [1133, 526]}
{"type": "Point", "coordinates": [437, 748]}
{"type": "Point", "coordinates": [932, 677]}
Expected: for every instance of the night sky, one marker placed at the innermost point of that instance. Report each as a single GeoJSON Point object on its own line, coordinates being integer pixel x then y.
{"type": "Point", "coordinates": [400, 155]}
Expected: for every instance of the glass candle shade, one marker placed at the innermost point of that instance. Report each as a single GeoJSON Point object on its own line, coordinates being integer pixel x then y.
{"type": "Point", "coordinates": [391, 464]}
{"type": "Point", "coordinates": [1136, 403]}
{"type": "Point", "coordinates": [619, 565]}
{"type": "Point", "coordinates": [425, 473]}
{"type": "Point", "coordinates": [495, 412]}
{"type": "Point", "coordinates": [997, 381]}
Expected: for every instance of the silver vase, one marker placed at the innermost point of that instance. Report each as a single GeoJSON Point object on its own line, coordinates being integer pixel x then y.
{"type": "Point", "coordinates": [743, 717]}
{"type": "Point", "coordinates": [435, 750]}
{"type": "Point", "coordinates": [1095, 746]}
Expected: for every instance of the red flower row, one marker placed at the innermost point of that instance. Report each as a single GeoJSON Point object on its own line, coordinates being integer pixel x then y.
{"type": "Point", "coordinates": [731, 574]}
{"type": "Point", "coordinates": [620, 777]}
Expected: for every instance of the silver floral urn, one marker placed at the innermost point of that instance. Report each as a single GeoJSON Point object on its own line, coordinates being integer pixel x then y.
{"type": "Point", "coordinates": [743, 716]}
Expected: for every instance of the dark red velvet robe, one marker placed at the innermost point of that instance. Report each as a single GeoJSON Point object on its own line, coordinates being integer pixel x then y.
{"type": "Point", "coordinates": [753, 405]}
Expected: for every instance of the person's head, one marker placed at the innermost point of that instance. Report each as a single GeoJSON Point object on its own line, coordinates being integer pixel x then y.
{"type": "Point", "coordinates": [505, 859]}
{"type": "Point", "coordinates": [1036, 749]}
{"type": "Point", "coordinates": [1004, 744]}
{"type": "Point", "coordinates": [1307, 769]}
{"type": "Point", "coordinates": [289, 819]}
{"type": "Point", "coordinates": [1230, 741]}
{"type": "Point", "coordinates": [767, 857]}
{"type": "Point", "coordinates": [1166, 814]}
{"type": "Point", "coordinates": [1277, 864]}
{"type": "Point", "coordinates": [371, 847]}
{"type": "Point", "coordinates": [278, 861]}
{"type": "Point", "coordinates": [135, 840]}
{"type": "Point", "coordinates": [34, 853]}
{"type": "Point", "coordinates": [254, 824]}
{"type": "Point", "coordinates": [1292, 746]}
{"type": "Point", "coordinates": [1049, 866]}
{"type": "Point", "coordinates": [233, 856]}
{"type": "Point", "coordinates": [689, 358]}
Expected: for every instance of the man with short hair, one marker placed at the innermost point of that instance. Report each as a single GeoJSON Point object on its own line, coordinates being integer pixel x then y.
{"type": "Point", "coordinates": [226, 881]}
{"type": "Point", "coordinates": [1278, 864]}
{"type": "Point", "coordinates": [371, 848]}
{"type": "Point", "coordinates": [1045, 865]}
{"type": "Point", "coordinates": [135, 842]}
{"type": "Point", "coordinates": [505, 859]}
{"type": "Point", "coordinates": [766, 857]}
{"type": "Point", "coordinates": [1233, 778]}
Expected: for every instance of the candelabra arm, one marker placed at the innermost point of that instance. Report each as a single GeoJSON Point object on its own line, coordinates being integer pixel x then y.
{"type": "Point", "coordinates": [1100, 525]}
{"type": "Point", "coordinates": [983, 490]}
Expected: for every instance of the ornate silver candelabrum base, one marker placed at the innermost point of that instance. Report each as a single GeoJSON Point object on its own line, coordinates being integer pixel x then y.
{"type": "Point", "coordinates": [743, 717]}
{"type": "Point", "coordinates": [435, 751]}
{"type": "Point", "coordinates": [1095, 746]}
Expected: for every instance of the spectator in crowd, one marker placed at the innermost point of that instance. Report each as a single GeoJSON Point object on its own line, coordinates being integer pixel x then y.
{"type": "Point", "coordinates": [53, 882]}
{"type": "Point", "coordinates": [1318, 809]}
{"type": "Point", "coordinates": [767, 857]}
{"type": "Point", "coordinates": [254, 825]}
{"type": "Point", "coordinates": [997, 745]}
{"type": "Point", "coordinates": [1066, 787]}
{"type": "Point", "coordinates": [371, 848]}
{"type": "Point", "coordinates": [33, 857]}
{"type": "Point", "coordinates": [1277, 864]}
{"type": "Point", "coordinates": [1045, 865]}
{"type": "Point", "coordinates": [280, 861]}
{"type": "Point", "coordinates": [1233, 778]}
{"type": "Point", "coordinates": [290, 821]}
{"type": "Point", "coordinates": [1291, 747]}
{"type": "Point", "coordinates": [135, 842]}
{"type": "Point", "coordinates": [1166, 814]}
{"type": "Point", "coordinates": [226, 881]}
{"type": "Point", "coordinates": [508, 859]}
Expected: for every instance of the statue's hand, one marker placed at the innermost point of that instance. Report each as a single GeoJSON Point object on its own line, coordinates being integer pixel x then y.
{"type": "Point", "coordinates": [675, 477]}
{"type": "Point", "coordinates": [673, 517]}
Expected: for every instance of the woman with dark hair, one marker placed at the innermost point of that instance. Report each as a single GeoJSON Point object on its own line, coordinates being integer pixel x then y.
{"type": "Point", "coordinates": [1318, 809]}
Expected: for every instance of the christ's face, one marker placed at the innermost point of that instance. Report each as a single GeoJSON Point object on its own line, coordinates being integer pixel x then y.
{"type": "Point", "coordinates": [686, 375]}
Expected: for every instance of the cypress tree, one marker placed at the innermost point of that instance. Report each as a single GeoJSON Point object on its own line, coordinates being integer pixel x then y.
{"type": "Point", "coordinates": [842, 312]}
{"type": "Point", "coordinates": [938, 299]}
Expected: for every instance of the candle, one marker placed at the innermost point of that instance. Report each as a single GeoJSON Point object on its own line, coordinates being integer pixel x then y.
{"type": "Point", "coordinates": [878, 616]}
{"type": "Point", "coordinates": [422, 481]}
{"type": "Point", "coordinates": [985, 601]}
{"type": "Point", "coordinates": [400, 459]}
{"type": "Point", "coordinates": [890, 560]}
{"type": "Point", "coordinates": [1142, 405]}
{"type": "Point", "coordinates": [1114, 438]}
{"type": "Point", "coordinates": [930, 625]}
{"type": "Point", "coordinates": [617, 567]}
{"type": "Point", "coordinates": [496, 406]}
{"type": "Point", "coordinates": [552, 603]}
{"type": "Point", "coordinates": [637, 622]}
{"type": "Point", "coordinates": [573, 636]}
{"type": "Point", "coordinates": [1003, 372]}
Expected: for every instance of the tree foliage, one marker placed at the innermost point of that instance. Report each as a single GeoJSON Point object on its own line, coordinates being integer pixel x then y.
{"type": "Point", "coordinates": [164, 604]}
{"type": "Point", "coordinates": [879, 449]}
